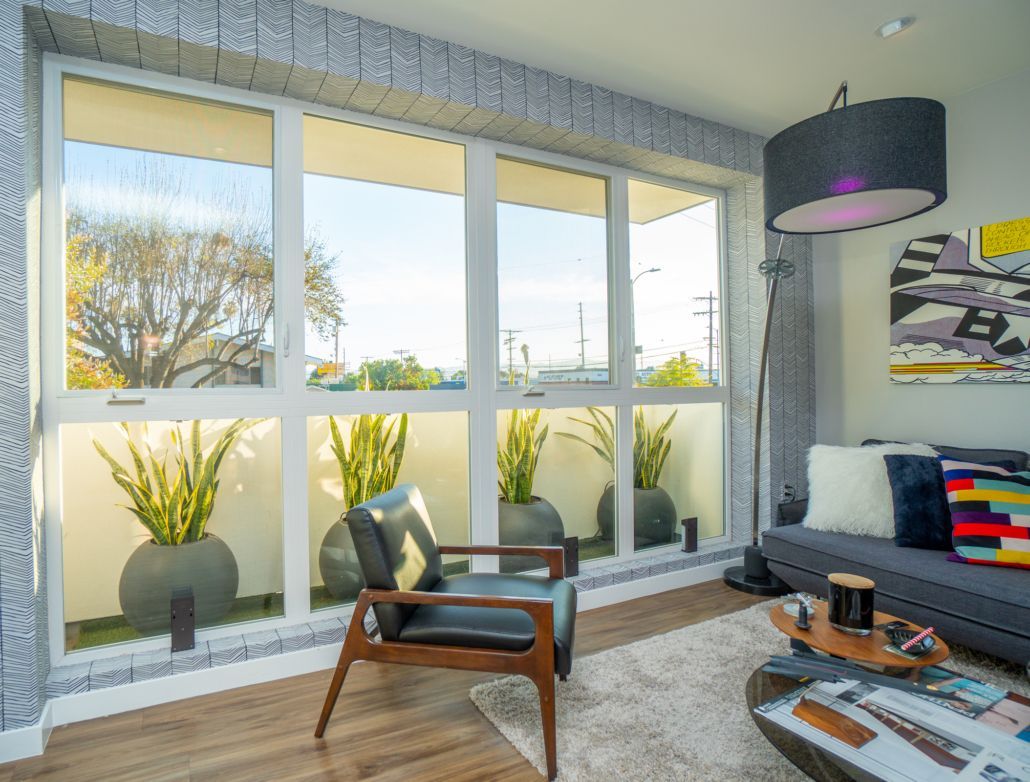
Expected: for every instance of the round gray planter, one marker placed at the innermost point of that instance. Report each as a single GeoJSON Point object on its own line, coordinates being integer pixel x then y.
{"type": "Point", "coordinates": [654, 515]}
{"type": "Point", "coordinates": [536, 523]}
{"type": "Point", "coordinates": [338, 563]}
{"type": "Point", "coordinates": [153, 572]}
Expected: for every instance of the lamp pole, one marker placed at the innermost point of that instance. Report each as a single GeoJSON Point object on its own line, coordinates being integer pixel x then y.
{"type": "Point", "coordinates": [633, 308]}
{"type": "Point", "coordinates": [754, 576]}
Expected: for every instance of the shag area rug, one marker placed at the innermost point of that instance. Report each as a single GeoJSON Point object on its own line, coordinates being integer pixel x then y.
{"type": "Point", "coordinates": [670, 707]}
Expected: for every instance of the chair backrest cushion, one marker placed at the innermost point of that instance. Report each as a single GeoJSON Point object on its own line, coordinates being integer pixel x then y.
{"type": "Point", "coordinates": [396, 548]}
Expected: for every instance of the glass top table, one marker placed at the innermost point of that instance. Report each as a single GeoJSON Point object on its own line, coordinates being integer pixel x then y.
{"type": "Point", "coordinates": [817, 763]}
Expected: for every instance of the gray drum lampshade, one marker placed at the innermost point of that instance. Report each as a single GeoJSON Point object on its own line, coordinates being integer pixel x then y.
{"type": "Point", "coordinates": [855, 167]}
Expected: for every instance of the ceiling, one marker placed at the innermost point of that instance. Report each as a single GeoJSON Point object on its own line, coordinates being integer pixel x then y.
{"type": "Point", "coordinates": [760, 65]}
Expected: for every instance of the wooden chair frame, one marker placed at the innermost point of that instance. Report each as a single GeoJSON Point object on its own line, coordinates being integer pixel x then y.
{"type": "Point", "coordinates": [536, 662]}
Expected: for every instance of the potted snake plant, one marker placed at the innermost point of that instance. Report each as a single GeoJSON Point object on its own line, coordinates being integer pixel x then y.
{"type": "Point", "coordinates": [174, 504]}
{"type": "Point", "coordinates": [654, 512]}
{"type": "Point", "coordinates": [369, 461]}
{"type": "Point", "coordinates": [523, 519]}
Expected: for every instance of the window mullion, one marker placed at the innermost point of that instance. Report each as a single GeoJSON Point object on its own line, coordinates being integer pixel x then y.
{"type": "Point", "coordinates": [623, 346]}
{"type": "Point", "coordinates": [289, 308]}
{"type": "Point", "coordinates": [482, 329]}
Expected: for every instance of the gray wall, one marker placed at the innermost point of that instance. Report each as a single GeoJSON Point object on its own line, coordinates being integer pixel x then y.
{"type": "Point", "coordinates": [314, 54]}
{"type": "Point", "coordinates": [988, 181]}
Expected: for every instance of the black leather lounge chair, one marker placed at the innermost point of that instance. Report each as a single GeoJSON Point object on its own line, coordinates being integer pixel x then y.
{"type": "Point", "coordinates": [477, 621]}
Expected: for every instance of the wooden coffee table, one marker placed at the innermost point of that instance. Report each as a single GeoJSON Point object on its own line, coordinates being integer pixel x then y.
{"type": "Point", "coordinates": [867, 649]}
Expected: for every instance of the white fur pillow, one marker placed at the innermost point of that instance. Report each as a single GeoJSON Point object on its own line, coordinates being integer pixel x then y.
{"type": "Point", "coordinates": [849, 491]}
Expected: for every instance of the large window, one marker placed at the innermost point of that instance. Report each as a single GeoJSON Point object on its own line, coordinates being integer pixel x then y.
{"type": "Point", "coordinates": [552, 276]}
{"type": "Point", "coordinates": [169, 268]}
{"type": "Point", "coordinates": [384, 224]}
{"type": "Point", "coordinates": [674, 262]}
{"type": "Point", "coordinates": [530, 340]}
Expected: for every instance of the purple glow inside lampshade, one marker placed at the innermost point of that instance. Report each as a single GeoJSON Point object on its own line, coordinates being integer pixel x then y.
{"type": "Point", "coordinates": [848, 184]}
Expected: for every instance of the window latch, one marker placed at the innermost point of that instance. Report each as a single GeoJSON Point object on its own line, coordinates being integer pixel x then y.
{"type": "Point", "coordinates": [286, 341]}
{"type": "Point", "coordinates": [125, 400]}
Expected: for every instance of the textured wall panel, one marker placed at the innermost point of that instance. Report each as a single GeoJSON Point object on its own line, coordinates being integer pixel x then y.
{"type": "Point", "coordinates": [274, 46]}
{"type": "Point", "coordinates": [157, 34]}
{"type": "Point", "coordinates": [343, 63]}
{"type": "Point", "coordinates": [374, 61]}
{"type": "Point", "coordinates": [198, 39]}
{"type": "Point", "coordinates": [114, 24]}
{"type": "Point", "coordinates": [310, 55]}
{"type": "Point", "coordinates": [237, 43]}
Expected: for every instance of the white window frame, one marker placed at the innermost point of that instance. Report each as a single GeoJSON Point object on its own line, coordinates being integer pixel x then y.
{"type": "Point", "coordinates": [292, 404]}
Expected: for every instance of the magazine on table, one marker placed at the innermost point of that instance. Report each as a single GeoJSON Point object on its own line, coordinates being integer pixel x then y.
{"type": "Point", "coordinates": [983, 736]}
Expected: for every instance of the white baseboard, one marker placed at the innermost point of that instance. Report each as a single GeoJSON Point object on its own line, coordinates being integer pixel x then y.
{"type": "Point", "coordinates": [30, 741]}
{"type": "Point", "coordinates": [605, 596]}
{"type": "Point", "coordinates": [26, 742]}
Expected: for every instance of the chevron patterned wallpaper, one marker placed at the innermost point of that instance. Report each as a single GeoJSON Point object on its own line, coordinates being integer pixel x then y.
{"type": "Point", "coordinates": [307, 52]}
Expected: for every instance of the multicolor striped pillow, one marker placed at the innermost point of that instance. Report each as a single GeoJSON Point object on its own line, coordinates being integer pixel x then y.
{"type": "Point", "coordinates": [990, 513]}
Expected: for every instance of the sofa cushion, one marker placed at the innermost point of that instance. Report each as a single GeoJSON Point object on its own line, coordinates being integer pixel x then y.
{"type": "Point", "coordinates": [983, 455]}
{"type": "Point", "coordinates": [996, 597]}
{"type": "Point", "coordinates": [990, 511]}
{"type": "Point", "coordinates": [921, 515]}
{"type": "Point", "coordinates": [848, 488]}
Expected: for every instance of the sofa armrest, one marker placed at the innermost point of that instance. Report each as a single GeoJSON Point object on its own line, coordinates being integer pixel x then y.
{"type": "Point", "coordinates": [791, 512]}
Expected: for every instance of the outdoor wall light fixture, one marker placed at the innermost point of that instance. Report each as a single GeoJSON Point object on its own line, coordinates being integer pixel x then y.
{"type": "Point", "coordinates": [853, 167]}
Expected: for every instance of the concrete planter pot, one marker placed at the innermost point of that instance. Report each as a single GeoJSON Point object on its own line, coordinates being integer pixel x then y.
{"type": "Point", "coordinates": [153, 572]}
{"type": "Point", "coordinates": [654, 516]}
{"type": "Point", "coordinates": [535, 523]}
{"type": "Point", "coordinates": [338, 563]}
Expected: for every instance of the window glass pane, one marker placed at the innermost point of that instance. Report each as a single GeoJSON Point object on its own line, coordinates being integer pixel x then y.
{"type": "Point", "coordinates": [570, 492]}
{"type": "Point", "coordinates": [118, 582]}
{"type": "Point", "coordinates": [687, 482]}
{"type": "Point", "coordinates": [674, 261]}
{"type": "Point", "coordinates": [384, 218]}
{"type": "Point", "coordinates": [552, 274]}
{"type": "Point", "coordinates": [435, 458]}
{"type": "Point", "coordinates": [168, 241]}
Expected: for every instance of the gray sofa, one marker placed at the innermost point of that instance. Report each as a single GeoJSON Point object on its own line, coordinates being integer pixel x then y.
{"type": "Point", "coordinates": [982, 607]}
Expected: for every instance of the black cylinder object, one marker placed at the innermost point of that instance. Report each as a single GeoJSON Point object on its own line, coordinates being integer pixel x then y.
{"type": "Point", "coordinates": [850, 603]}
{"type": "Point", "coordinates": [862, 165]}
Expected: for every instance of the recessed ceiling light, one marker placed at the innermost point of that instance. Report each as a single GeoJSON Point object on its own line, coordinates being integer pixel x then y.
{"type": "Point", "coordinates": [895, 26]}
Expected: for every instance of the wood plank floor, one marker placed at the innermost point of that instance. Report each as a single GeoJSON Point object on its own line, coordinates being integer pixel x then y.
{"type": "Point", "coordinates": [391, 722]}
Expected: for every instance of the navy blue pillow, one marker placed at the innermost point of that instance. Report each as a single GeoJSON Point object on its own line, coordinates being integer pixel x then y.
{"type": "Point", "coordinates": [922, 518]}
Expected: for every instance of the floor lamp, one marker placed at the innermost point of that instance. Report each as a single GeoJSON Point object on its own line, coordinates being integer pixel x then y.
{"type": "Point", "coordinates": [845, 169]}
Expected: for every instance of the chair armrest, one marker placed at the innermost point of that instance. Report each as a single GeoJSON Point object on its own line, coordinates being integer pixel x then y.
{"type": "Point", "coordinates": [540, 609]}
{"type": "Point", "coordinates": [553, 556]}
{"type": "Point", "coordinates": [791, 512]}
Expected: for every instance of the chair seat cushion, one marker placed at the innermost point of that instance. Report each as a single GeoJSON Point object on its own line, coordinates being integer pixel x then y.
{"type": "Point", "coordinates": [495, 628]}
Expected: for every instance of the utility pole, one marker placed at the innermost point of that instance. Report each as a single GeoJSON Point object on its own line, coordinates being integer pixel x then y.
{"type": "Point", "coordinates": [711, 312]}
{"type": "Point", "coordinates": [582, 340]}
{"type": "Point", "coordinates": [402, 353]}
{"type": "Point", "coordinates": [510, 342]}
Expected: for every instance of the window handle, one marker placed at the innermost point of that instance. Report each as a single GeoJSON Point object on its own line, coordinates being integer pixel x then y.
{"type": "Point", "coordinates": [125, 400]}
{"type": "Point", "coordinates": [286, 341]}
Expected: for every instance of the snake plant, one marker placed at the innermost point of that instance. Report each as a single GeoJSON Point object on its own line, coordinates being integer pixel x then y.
{"type": "Point", "coordinates": [369, 463]}
{"type": "Point", "coordinates": [517, 457]}
{"type": "Point", "coordinates": [650, 447]}
{"type": "Point", "coordinates": [173, 511]}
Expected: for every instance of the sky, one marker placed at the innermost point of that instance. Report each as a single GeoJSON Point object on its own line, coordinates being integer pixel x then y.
{"type": "Point", "coordinates": [400, 262]}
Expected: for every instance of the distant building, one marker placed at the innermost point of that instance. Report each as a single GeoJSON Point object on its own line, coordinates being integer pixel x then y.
{"type": "Point", "coordinates": [583, 376]}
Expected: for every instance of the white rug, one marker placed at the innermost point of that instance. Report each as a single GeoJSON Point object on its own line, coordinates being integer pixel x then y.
{"type": "Point", "coordinates": [669, 707]}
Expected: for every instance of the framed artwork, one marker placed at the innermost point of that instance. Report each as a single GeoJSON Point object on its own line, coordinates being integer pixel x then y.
{"type": "Point", "coordinates": [960, 306]}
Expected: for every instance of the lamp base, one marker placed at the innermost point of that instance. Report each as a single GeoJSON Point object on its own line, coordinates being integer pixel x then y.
{"type": "Point", "coordinates": [754, 576]}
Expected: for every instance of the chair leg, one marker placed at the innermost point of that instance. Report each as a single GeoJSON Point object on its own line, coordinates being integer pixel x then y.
{"type": "Point", "coordinates": [562, 677]}
{"type": "Point", "coordinates": [545, 686]}
{"type": "Point", "coordinates": [346, 658]}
